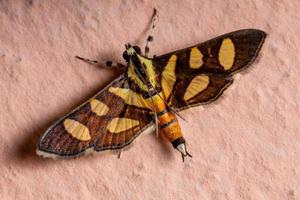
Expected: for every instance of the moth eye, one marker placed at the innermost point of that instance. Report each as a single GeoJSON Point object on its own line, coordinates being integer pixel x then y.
{"type": "Point", "coordinates": [137, 49]}
{"type": "Point", "coordinates": [125, 56]}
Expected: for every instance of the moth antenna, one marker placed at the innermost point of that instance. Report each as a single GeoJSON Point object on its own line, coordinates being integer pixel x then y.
{"type": "Point", "coordinates": [150, 36]}
{"type": "Point", "coordinates": [95, 62]}
{"type": "Point", "coordinates": [177, 113]}
{"type": "Point", "coordinates": [87, 60]}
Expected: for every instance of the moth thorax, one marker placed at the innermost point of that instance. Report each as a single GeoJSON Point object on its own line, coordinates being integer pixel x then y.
{"type": "Point", "coordinates": [140, 70]}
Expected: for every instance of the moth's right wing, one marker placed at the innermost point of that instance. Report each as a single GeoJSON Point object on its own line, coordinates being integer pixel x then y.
{"type": "Point", "coordinates": [112, 119]}
{"type": "Point", "coordinates": [199, 74]}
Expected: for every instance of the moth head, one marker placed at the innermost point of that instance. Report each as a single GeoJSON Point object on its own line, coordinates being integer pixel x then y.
{"type": "Point", "coordinates": [130, 51]}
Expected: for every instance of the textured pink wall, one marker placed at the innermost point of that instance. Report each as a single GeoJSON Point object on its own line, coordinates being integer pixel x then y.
{"type": "Point", "coordinates": [245, 146]}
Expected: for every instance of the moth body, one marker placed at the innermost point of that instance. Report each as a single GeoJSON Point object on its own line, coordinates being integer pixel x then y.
{"type": "Point", "coordinates": [142, 72]}
{"type": "Point", "coordinates": [150, 93]}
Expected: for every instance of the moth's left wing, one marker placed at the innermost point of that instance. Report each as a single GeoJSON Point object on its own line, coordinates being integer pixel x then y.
{"type": "Point", "coordinates": [199, 74]}
{"type": "Point", "coordinates": [112, 119]}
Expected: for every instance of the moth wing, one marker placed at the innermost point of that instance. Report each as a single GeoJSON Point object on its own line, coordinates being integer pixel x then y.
{"type": "Point", "coordinates": [199, 74]}
{"type": "Point", "coordinates": [111, 119]}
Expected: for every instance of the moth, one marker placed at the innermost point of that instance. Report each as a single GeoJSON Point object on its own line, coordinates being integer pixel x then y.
{"type": "Point", "coordinates": [150, 94]}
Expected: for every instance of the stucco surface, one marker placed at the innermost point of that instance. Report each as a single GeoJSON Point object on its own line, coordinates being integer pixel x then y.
{"type": "Point", "coordinates": [244, 146]}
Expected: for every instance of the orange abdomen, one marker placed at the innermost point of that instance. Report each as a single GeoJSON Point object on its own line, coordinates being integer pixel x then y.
{"type": "Point", "coordinates": [168, 122]}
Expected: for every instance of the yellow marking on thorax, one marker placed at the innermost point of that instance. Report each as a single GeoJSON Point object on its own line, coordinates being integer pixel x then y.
{"type": "Point", "coordinates": [197, 85]}
{"type": "Point", "coordinates": [227, 53]}
{"type": "Point", "coordinates": [77, 130]}
{"type": "Point", "coordinates": [168, 76]}
{"type": "Point", "coordinates": [149, 71]}
{"type": "Point", "coordinates": [118, 125]}
{"type": "Point", "coordinates": [196, 58]}
{"type": "Point", "coordinates": [98, 107]}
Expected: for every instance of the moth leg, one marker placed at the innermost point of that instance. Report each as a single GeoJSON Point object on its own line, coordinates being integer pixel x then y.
{"type": "Point", "coordinates": [150, 37]}
{"type": "Point", "coordinates": [156, 124]}
{"type": "Point", "coordinates": [95, 62]}
{"type": "Point", "coordinates": [156, 120]}
{"type": "Point", "coordinates": [119, 154]}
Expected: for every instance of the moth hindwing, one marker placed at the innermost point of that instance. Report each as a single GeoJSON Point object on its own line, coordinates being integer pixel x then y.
{"type": "Point", "coordinates": [151, 92]}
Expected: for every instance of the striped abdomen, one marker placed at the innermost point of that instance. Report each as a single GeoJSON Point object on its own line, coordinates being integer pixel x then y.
{"type": "Point", "coordinates": [167, 121]}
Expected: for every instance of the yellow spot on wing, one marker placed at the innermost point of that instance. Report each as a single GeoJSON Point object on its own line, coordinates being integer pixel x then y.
{"type": "Point", "coordinates": [227, 53]}
{"type": "Point", "coordinates": [131, 98]}
{"type": "Point", "coordinates": [168, 76]}
{"type": "Point", "coordinates": [118, 125]}
{"type": "Point", "coordinates": [98, 107]}
{"type": "Point", "coordinates": [196, 58]}
{"type": "Point", "coordinates": [197, 85]}
{"type": "Point", "coordinates": [77, 130]}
